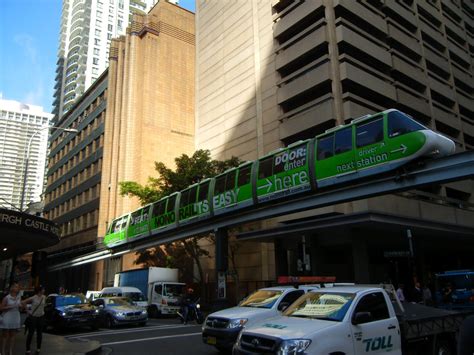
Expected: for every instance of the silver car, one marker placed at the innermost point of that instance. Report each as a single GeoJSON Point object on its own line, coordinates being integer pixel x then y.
{"type": "Point", "coordinates": [119, 310]}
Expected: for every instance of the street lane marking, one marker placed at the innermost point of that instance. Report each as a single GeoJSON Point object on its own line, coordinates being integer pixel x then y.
{"type": "Point", "coordinates": [125, 331]}
{"type": "Point", "coordinates": [154, 338]}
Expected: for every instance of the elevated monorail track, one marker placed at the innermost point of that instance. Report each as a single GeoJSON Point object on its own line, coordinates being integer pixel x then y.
{"type": "Point", "coordinates": [437, 171]}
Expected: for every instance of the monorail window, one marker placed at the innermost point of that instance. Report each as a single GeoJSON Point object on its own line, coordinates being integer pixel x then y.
{"type": "Point", "coordinates": [192, 194]}
{"type": "Point", "coordinates": [244, 175]}
{"type": "Point", "coordinates": [265, 168]}
{"type": "Point", "coordinates": [171, 203]}
{"type": "Point", "coordinates": [326, 147]}
{"type": "Point", "coordinates": [203, 191]}
{"type": "Point", "coordinates": [343, 141]}
{"type": "Point", "coordinates": [369, 133]}
{"type": "Point", "coordinates": [219, 186]}
{"type": "Point", "coordinates": [159, 208]}
{"type": "Point", "coordinates": [279, 161]}
{"type": "Point", "coordinates": [184, 199]}
{"type": "Point", "coordinates": [399, 123]}
{"type": "Point", "coordinates": [118, 225]}
{"type": "Point", "coordinates": [134, 216]}
{"type": "Point", "coordinates": [230, 180]}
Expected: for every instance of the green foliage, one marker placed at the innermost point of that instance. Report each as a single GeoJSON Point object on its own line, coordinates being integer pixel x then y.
{"type": "Point", "coordinates": [189, 170]}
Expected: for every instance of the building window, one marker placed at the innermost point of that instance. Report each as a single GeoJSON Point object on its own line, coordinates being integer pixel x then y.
{"type": "Point", "coordinates": [95, 71]}
{"type": "Point", "coordinates": [111, 18]}
{"type": "Point", "coordinates": [99, 14]}
{"type": "Point", "coordinates": [109, 36]}
{"type": "Point", "coordinates": [119, 24]}
{"type": "Point", "coordinates": [97, 32]}
{"type": "Point", "coordinates": [96, 51]}
{"type": "Point", "coordinates": [110, 27]}
{"type": "Point", "coordinates": [95, 61]}
{"type": "Point", "coordinates": [97, 41]}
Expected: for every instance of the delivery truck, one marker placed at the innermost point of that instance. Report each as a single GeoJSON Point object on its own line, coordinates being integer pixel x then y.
{"type": "Point", "coordinates": [160, 285]}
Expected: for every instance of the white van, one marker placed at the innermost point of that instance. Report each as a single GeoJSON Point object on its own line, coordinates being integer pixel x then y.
{"type": "Point", "coordinates": [133, 293]}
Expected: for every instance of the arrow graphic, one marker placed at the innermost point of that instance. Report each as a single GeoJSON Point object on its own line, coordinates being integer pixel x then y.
{"type": "Point", "coordinates": [403, 148]}
{"type": "Point", "coordinates": [268, 185]}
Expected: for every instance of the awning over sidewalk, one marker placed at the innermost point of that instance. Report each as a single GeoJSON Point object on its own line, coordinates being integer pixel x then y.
{"type": "Point", "coordinates": [22, 233]}
{"type": "Point", "coordinates": [436, 229]}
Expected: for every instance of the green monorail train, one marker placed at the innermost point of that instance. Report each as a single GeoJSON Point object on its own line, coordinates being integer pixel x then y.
{"type": "Point", "coordinates": [369, 145]}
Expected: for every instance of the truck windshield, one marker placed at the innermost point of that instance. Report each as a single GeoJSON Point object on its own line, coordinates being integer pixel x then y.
{"type": "Point", "coordinates": [321, 305]}
{"type": "Point", "coordinates": [134, 296]}
{"type": "Point", "coordinates": [262, 299]}
{"type": "Point", "coordinates": [174, 290]}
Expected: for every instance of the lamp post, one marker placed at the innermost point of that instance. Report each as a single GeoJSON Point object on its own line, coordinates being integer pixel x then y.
{"type": "Point", "coordinates": [27, 157]}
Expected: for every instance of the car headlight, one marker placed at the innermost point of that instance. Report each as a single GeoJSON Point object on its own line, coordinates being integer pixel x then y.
{"type": "Point", "coordinates": [293, 346]}
{"type": "Point", "coordinates": [96, 311]}
{"type": "Point", "coordinates": [144, 311]}
{"type": "Point", "coordinates": [63, 314]}
{"type": "Point", "coordinates": [237, 323]}
{"type": "Point", "coordinates": [120, 314]}
{"type": "Point", "coordinates": [198, 306]}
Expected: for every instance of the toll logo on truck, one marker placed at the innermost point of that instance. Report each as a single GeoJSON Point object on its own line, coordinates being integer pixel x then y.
{"type": "Point", "coordinates": [378, 343]}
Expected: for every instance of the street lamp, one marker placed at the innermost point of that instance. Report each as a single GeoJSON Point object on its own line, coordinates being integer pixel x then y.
{"type": "Point", "coordinates": [27, 157]}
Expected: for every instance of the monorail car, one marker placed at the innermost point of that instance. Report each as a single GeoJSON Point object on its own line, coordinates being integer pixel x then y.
{"type": "Point", "coordinates": [367, 146]}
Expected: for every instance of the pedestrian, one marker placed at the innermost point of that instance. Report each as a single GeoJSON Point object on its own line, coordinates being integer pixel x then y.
{"type": "Point", "coordinates": [466, 339]}
{"type": "Point", "coordinates": [400, 293]}
{"type": "Point", "coordinates": [11, 318]}
{"type": "Point", "coordinates": [427, 296]}
{"type": "Point", "coordinates": [417, 295]}
{"type": "Point", "coordinates": [36, 318]}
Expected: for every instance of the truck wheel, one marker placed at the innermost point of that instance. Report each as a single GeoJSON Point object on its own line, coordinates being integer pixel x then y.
{"type": "Point", "coordinates": [443, 347]}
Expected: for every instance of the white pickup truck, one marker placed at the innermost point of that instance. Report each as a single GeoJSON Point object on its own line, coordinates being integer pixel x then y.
{"type": "Point", "coordinates": [221, 329]}
{"type": "Point", "coordinates": [352, 320]}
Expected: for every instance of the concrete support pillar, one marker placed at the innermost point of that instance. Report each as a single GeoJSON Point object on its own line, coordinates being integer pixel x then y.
{"type": "Point", "coordinates": [361, 261]}
{"type": "Point", "coordinates": [222, 250]}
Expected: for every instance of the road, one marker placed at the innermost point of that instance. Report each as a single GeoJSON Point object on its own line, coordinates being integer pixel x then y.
{"type": "Point", "coordinates": [159, 336]}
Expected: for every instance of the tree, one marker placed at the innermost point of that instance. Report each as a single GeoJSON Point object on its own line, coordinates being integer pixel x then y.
{"type": "Point", "coordinates": [189, 170]}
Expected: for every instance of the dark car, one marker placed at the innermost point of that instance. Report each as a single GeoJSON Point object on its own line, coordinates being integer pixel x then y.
{"type": "Point", "coordinates": [120, 310]}
{"type": "Point", "coordinates": [67, 311]}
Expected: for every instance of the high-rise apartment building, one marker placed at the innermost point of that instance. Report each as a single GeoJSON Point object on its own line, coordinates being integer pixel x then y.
{"type": "Point", "coordinates": [22, 125]}
{"type": "Point", "coordinates": [272, 72]}
{"type": "Point", "coordinates": [87, 26]}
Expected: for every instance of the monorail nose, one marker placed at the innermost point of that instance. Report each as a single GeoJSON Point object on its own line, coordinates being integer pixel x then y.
{"type": "Point", "coordinates": [445, 146]}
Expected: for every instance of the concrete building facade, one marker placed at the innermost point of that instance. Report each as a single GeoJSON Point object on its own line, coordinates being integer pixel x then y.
{"type": "Point", "coordinates": [21, 123]}
{"type": "Point", "coordinates": [270, 73]}
{"type": "Point", "coordinates": [73, 183]}
{"type": "Point", "coordinates": [87, 28]}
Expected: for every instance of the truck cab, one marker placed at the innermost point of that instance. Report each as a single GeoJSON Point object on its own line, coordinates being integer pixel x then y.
{"type": "Point", "coordinates": [339, 320]}
{"type": "Point", "coordinates": [165, 298]}
{"type": "Point", "coordinates": [221, 328]}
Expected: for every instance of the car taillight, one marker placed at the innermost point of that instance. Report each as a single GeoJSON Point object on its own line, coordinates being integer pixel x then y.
{"type": "Point", "coordinates": [163, 302]}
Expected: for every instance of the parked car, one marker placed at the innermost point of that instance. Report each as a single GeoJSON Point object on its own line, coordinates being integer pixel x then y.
{"type": "Point", "coordinates": [119, 310]}
{"type": "Point", "coordinates": [221, 329]}
{"type": "Point", "coordinates": [133, 293]}
{"type": "Point", "coordinates": [67, 311]}
{"type": "Point", "coordinates": [92, 295]}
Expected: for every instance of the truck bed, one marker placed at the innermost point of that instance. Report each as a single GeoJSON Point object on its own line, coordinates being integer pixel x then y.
{"type": "Point", "coordinates": [421, 321]}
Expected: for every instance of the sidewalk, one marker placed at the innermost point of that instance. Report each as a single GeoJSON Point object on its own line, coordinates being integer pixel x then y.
{"type": "Point", "coordinates": [57, 345]}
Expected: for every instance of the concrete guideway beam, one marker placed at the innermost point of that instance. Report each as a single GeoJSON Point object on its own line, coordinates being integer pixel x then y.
{"type": "Point", "coordinates": [437, 171]}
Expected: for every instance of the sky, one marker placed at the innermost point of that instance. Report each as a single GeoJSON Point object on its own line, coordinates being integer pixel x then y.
{"type": "Point", "coordinates": [29, 34]}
